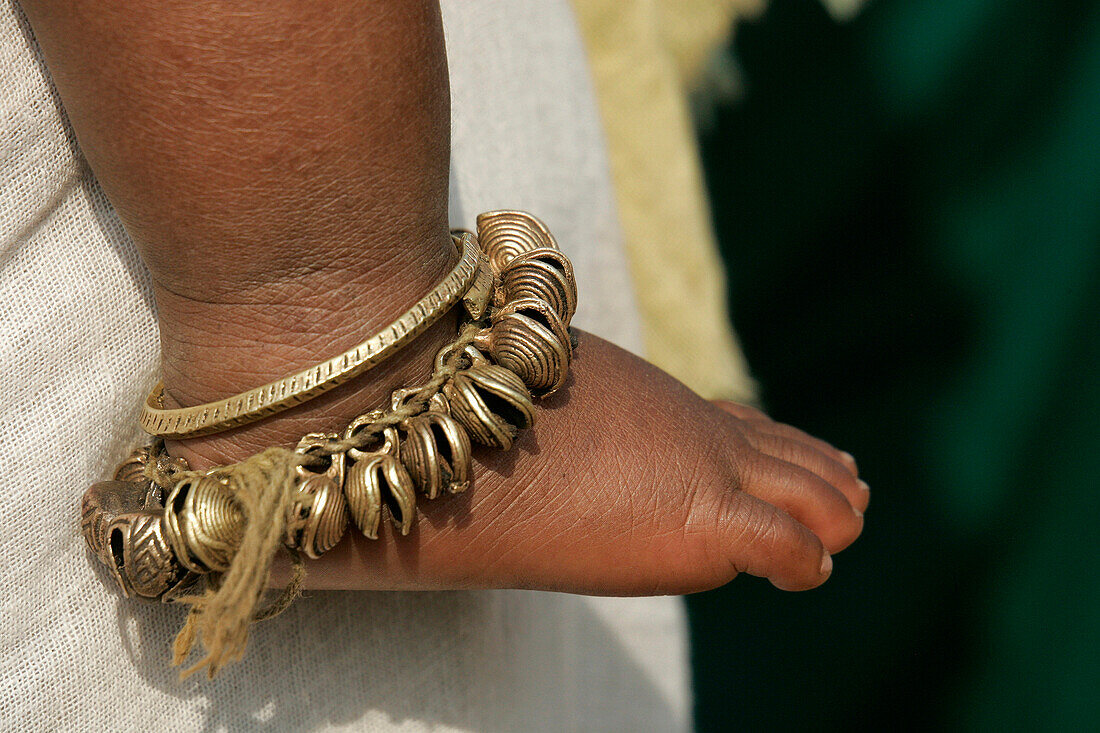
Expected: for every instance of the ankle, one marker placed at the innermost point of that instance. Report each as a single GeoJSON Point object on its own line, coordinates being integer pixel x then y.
{"type": "Point", "coordinates": [213, 349]}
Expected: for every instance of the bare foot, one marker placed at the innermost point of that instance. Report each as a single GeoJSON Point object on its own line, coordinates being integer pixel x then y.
{"type": "Point", "coordinates": [627, 484]}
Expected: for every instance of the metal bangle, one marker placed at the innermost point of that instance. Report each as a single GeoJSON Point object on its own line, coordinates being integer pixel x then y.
{"type": "Point", "coordinates": [257, 403]}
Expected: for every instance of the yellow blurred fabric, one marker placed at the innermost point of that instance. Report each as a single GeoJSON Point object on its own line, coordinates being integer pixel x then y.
{"type": "Point", "coordinates": [691, 30]}
{"type": "Point", "coordinates": [641, 53]}
{"type": "Point", "coordinates": [645, 56]}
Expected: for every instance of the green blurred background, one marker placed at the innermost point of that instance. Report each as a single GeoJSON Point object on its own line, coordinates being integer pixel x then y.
{"type": "Point", "coordinates": [909, 207]}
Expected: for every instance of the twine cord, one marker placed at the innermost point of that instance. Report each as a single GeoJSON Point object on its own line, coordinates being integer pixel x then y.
{"type": "Point", "coordinates": [265, 486]}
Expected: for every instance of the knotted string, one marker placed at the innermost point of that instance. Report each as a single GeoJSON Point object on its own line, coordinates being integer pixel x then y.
{"type": "Point", "coordinates": [265, 486]}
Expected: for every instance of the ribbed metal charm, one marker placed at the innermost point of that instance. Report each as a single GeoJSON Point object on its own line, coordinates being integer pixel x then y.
{"type": "Point", "coordinates": [144, 564]}
{"type": "Point", "coordinates": [542, 274]}
{"type": "Point", "coordinates": [122, 523]}
{"type": "Point", "coordinates": [203, 524]}
{"type": "Point", "coordinates": [504, 235]}
{"type": "Point", "coordinates": [435, 450]}
{"type": "Point", "coordinates": [101, 504]}
{"type": "Point", "coordinates": [316, 522]}
{"type": "Point", "coordinates": [133, 468]}
{"type": "Point", "coordinates": [376, 479]}
{"type": "Point", "coordinates": [491, 402]}
{"type": "Point", "coordinates": [528, 338]}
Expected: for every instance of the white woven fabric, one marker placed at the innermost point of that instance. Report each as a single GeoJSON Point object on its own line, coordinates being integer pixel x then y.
{"type": "Point", "coordinates": [78, 346]}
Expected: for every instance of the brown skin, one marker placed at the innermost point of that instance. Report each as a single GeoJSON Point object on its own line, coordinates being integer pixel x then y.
{"type": "Point", "coordinates": [282, 167]}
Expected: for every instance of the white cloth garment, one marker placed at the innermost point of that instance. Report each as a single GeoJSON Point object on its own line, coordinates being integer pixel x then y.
{"type": "Point", "coordinates": [78, 347]}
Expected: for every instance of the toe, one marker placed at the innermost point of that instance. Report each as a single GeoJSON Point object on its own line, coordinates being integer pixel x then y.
{"type": "Point", "coordinates": [762, 540]}
{"type": "Point", "coordinates": [807, 497]}
{"type": "Point", "coordinates": [823, 464]}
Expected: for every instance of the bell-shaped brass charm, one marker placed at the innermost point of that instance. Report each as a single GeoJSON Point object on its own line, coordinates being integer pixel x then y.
{"type": "Point", "coordinates": [317, 520]}
{"type": "Point", "coordinates": [101, 504]}
{"type": "Point", "coordinates": [504, 235]}
{"type": "Point", "coordinates": [543, 274]}
{"type": "Point", "coordinates": [121, 522]}
{"type": "Point", "coordinates": [142, 560]}
{"type": "Point", "coordinates": [436, 452]}
{"type": "Point", "coordinates": [203, 524]}
{"type": "Point", "coordinates": [321, 520]}
{"type": "Point", "coordinates": [376, 479]}
{"type": "Point", "coordinates": [491, 402]}
{"type": "Point", "coordinates": [133, 468]}
{"type": "Point", "coordinates": [528, 338]}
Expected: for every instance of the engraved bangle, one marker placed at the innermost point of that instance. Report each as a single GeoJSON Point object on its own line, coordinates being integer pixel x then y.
{"type": "Point", "coordinates": [260, 402]}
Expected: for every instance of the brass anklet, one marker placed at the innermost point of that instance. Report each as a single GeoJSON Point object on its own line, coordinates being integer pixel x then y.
{"type": "Point", "coordinates": [208, 538]}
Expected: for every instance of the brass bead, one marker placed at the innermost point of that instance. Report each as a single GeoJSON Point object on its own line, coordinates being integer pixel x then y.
{"type": "Point", "coordinates": [528, 338]}
{"type": "Point", "coordinates": [505, 234]}
{"type": "Point", "coordinates": [436, 452]}
{"type": "Point", "coordinates": [376, 479]}
{"type": "Point", "coordinates": [543, 274]}
{"type": "Point", "coordinates": [141, 559]}
{"type": "Point", "coordinates": [491, 402]}
{"type": "Point", "coordinates": [203, 524]}
{"type": "Point", "coordinates": [316, 521]}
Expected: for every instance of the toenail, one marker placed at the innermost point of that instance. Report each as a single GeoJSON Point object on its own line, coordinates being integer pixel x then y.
{"type": "Point", "coordinates": [826, 564]}
{"type": "Point", "coordinates": [863, 485]}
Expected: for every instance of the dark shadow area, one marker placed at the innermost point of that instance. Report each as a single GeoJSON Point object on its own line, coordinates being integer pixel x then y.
{"type": "Point", "coordinates": [909, 208]}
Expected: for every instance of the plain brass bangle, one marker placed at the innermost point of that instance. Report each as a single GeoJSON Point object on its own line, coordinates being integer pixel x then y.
{"type": "Point", "coordinates": [257, 403]}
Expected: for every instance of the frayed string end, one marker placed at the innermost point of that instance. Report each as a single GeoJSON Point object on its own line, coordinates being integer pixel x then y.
{"type": "Point", "coordinates": [264, 486]}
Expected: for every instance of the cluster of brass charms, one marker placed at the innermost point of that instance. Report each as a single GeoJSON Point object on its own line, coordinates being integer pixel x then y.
{"type": "Point", "coordinates": [123, 523]}
{"type": "Point", "coordinates": [514, 344]}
